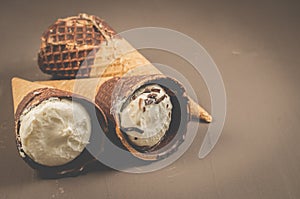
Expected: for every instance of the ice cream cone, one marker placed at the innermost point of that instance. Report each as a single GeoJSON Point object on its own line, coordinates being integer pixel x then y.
{"type": "Point", "coordinates": [116, 92]}
{"type": "Point", "coordinates": [29, 95]}
{"type": "Point", "coordinates": [129, 62]}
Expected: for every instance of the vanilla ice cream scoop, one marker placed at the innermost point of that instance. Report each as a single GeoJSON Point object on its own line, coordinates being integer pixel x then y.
{"type": "Point", "coordinates": [55, 132]}
{"type": "Point", "coordinates": [147, 116]}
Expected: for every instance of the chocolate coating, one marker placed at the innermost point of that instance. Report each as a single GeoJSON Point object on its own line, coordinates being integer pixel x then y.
{"type": "Point", "coordinates": [77, 165]}
{"type": "Point", "coordinates": [117, 89]}
{"type": "Point", "coordinates": [69, 45]}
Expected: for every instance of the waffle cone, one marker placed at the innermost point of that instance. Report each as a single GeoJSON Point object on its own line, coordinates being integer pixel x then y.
{"type": "Point", "coordinates": [70, 44]}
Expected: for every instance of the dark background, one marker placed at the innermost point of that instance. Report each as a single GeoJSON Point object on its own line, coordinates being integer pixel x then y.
{"type": "Point", "coordinates": [256, 47]}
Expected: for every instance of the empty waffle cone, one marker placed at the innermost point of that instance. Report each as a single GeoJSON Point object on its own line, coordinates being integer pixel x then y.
{"type": "Point", "coordinates": [96, 52]}
{"type": "Point", "coordinates": [70, 43]}
{"type": "Point", "coordinates": [26, 97]}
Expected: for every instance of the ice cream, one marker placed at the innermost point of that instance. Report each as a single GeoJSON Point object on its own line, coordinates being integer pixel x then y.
{"type": "Point", "coordinates": [147, 116]}
{"type": "Point", "coordinates": [55, 131]}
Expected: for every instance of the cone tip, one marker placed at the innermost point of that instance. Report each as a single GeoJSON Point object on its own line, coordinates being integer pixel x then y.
{"type": "Point", "coordinates": [17, 80]}
{"type": "Point", "coordinates": [14, 80]}
{"type": "Point", "coordinates": [207, 117]}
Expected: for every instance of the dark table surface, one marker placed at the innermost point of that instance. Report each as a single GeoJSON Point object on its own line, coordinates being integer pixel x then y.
{"type": "Point", "coordinates": [256, 47]}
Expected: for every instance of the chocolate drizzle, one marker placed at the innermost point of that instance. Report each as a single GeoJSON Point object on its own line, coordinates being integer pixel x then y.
{"type": "Point", "coordinates": [160, 99]}
{"type": "Point", "coordinates": [147, 91]}
{"type": "Point", "coordinates": [157, 90]}
{"type": "Point", "coordinates": [133, 129]}
{"type": "Point", "coordinates": [149, 101]}
{"type": "Point", "coordinates": [110, 93]}
{"type": "Point", "coordinates": [152, 96]}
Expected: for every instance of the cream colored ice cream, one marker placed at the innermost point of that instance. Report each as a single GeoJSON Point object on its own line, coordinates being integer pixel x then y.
{"type": "Point", "coordinates": [146, 118]}
{"type": "Point", "coordinates": [55, 132]}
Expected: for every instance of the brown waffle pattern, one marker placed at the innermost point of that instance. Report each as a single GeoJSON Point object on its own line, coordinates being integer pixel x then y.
{"type": "Point", "coordinates": [69, 46]}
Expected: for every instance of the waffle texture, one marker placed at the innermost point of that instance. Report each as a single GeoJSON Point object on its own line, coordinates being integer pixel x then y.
{"type": "Point", "coordinates": [69, 46]}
